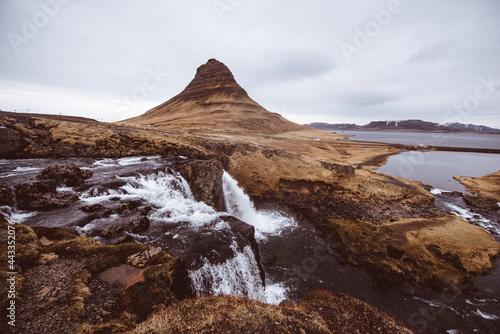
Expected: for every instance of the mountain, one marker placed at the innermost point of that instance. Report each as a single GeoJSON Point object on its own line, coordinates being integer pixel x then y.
{"type": "Point", "coordinates": [328, 126]}
{"type": "Point", "coordinates": [214, 101]}
{"type": "Point", "coordinates": [472, 128]}
{"type": "Point", "coordinates": [406, 125]}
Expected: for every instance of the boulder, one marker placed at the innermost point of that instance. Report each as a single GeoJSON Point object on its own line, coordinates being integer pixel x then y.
{"type": "Point", "coordinates": [42, 196]}
{"type": "Point", "coordinates": [110, 231]}
{"type": "Point", "coordinates": [69, 175]}
{"type": "Point", "coordinates": [205, 180]}
{"type": "Point", "coordinates": [5, 196]}
{"type": "Point", "coordinates": [142, 258]}
{"type": "Point", "coordinates": [139, 224]}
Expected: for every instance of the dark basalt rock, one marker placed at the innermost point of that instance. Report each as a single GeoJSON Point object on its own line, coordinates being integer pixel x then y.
{"type": "Point", "coordinates": [42, 196]}
{"type": "Point", "coordinates": [205, 243]}
{"type": "Point", "coordinates": [69, 175]}
{"type": "Point", "coordinates": [139, 224]}
{"type": "Point", "coordinates": [110, 231]}
{"type": "Point", "coordinates": [6, 196]}
{"type": "Point", "coordinates": [205, 180]}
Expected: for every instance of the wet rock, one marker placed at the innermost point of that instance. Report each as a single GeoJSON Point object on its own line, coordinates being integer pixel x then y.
{"type": "Point", "coordinates": [142, 258]}
{"type": "Point", "coordinates": [6, 196]}
{"type": "Point", "coordinates": [110, 231]}
{"type": "Point", "coordinates": [205, 180]}
{"type": "Point", "coordinates": [407, 288]}
{"type": "Point", "coordinates": [139, 224]}
{"type": "Point", "coordinates": [42, 196]}
{"type": "Point", "coordinates": [214, 245]}
{"type": "Point", "coordinates": [129, 207]}
{"type": "Point", "coordinates": [93, 208]}
{"type": "Point", "coordinates": [69, 175]}
{"type": "Point", "coordinates": [120, 240]}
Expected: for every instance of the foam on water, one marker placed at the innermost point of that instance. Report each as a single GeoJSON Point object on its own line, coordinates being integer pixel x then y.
{"type": "Point", "coordinates": [474, 218]}
{"type": "Point", "coordinates": [275, 293]}
{"type": "Point", "coordinates": [437, 191]}
{"type": "Point", "coordinates": [238, 204]}
{"type": "Point", "coordinates": [486, 315]}
{"type": "Point", "coordinates": [16, 216]}
{"type": "Point", "coordinates": [168, 193]}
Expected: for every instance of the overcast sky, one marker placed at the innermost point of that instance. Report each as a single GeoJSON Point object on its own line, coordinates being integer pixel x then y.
{"type": "Point", "coordinates": [326, 60]}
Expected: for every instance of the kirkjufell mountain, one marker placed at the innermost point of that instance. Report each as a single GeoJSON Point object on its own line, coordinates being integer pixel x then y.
{"type": "Point", "coordinates": [214, 101]}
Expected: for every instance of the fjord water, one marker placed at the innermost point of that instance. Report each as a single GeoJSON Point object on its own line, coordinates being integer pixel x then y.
{"type": "Point", "coordinates": [469, 140]}
{"type": "Point", "coordinates": [294, 255]}
{"type": "Point", "coordinates": [438, 168]}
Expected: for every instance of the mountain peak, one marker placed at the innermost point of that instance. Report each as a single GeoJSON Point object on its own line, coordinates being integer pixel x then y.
{"type": "Point", "coordinates": [214, 101]}
{"type": "Point", "coordinates": [213, 77]}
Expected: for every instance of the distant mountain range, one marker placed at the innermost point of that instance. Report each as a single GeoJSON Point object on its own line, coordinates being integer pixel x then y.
{"type": "Point", "coordinates": [406, 125]}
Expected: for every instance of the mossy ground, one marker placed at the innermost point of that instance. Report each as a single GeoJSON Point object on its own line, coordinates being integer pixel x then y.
{"type": "Point", "coordinates": [318, 312]}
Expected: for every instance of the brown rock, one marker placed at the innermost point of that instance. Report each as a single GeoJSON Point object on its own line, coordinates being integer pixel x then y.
{"type": "Point", "coordinates": [205, 180]}
{"type": "Point", "coordinates": [46, 258]}
{"type": "Point", "coordinates": [142, 258]}
{"type": "Point", "coordinates": [69, 175]}
{"type": "Point", "coordinates": [139, 224]}
{"type": "Point", "coordinates": [44, 241]}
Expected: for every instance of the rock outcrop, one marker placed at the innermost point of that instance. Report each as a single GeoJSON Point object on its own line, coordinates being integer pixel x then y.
{"type": "Point", "coordinates": [69, 175]}
{"type": "Point", "coordinates": [205, 180]}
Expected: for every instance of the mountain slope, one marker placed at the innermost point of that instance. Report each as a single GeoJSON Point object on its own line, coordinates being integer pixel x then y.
{"type": "Point", "coordinates": [407, 125]}
{"type": "Point", "coordinates": [214, 101]}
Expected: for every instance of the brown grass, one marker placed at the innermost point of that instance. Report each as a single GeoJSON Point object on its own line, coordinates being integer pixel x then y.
{"type": "Point", "coordinates": [320, 312]}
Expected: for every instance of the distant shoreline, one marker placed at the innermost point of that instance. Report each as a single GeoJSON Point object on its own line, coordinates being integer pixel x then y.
{"type": "Point", "coordinates": [413, 130]}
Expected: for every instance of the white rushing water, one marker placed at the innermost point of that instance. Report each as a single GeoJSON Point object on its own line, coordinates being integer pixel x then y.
{"type": "Point", "coordinates": [168, 193]}
{"type": "Point", "coordinates": [239, 276]}
{"type": "Point", "coordinates": [238, 204]}
{"type": "Point", "coordinates": [170, 196]}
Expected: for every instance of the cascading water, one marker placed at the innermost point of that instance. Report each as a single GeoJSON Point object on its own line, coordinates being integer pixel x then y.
{"type": "Point", "coordinates": [239, 205]}
{"type": "Point", "coordinates": [238, 276]}
{"type": "Point", "coordinates": [172, 201]}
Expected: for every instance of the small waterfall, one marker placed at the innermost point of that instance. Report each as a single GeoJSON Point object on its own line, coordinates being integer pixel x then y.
{"type": "Point", "coordinates": [238, 276]}
{"type": "Point", "coordinates": [239, 205]}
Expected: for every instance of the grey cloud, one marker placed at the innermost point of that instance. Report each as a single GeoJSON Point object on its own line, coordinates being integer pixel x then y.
{"type": "Point", "coordinates": [432, 51]}
{"type": "Point", "coordinates": [367, 98]}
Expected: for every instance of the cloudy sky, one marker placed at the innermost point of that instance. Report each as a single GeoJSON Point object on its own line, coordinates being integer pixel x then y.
{"type": "Point", "coordinates": [324, 60]}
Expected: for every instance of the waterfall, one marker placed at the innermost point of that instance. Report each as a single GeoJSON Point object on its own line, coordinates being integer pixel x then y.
{"type": "Point", "coordinates": [238, 276]}
{"type": "Point", "coordinates": [239, 205]}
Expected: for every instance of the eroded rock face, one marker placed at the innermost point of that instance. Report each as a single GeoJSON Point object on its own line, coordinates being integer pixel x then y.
{"type": "Point", "coordinates": [69, 175]}
{"type": "Point", "coordinates": [12, 141]}
{"type": "Point", "coordinates": [205, 180]}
